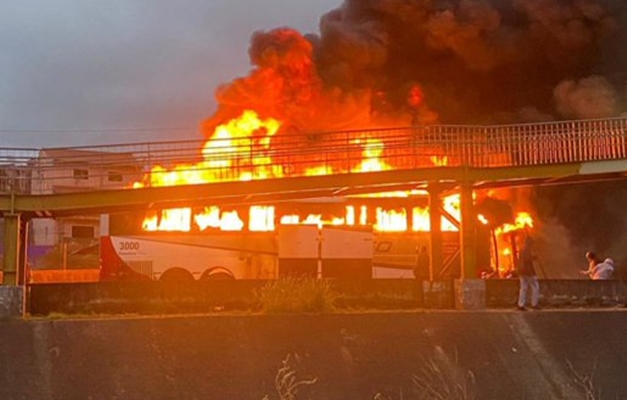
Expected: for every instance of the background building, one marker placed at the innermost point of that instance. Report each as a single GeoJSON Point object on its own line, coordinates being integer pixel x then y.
{"type": "Point", "coordinates": [72, 242]}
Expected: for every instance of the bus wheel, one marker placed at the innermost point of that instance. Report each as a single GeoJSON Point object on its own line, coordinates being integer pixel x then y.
{"type": "Point", "coordinates": [216, 273]}
{"type": "Point", "coordinates": [176, 274]}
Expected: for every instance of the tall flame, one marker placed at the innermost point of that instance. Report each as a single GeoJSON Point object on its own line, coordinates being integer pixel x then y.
{"type": "Point", "coordinates": [228, 148]}
{"type": "Point", "coordinates": [506, 237]}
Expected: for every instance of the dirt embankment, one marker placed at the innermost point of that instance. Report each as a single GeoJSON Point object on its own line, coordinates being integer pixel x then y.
{"type": "Point", "coordinates": [491, 354]}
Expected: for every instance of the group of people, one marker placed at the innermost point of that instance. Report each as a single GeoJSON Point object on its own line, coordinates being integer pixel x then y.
{"type": "Point", "coordinates": [597, 270]}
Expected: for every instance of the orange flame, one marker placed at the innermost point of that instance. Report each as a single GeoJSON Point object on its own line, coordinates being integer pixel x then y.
{"type": "Point", "coordinates": [507, 258]}
{"type": "Point", "coordinates": [373, 149]}
{"type": "Point", "coordinates": [229, 147]}
{"type": "Point", "coordinates": [439, 161]}
{"type": "Point", "coordinates": [261, 218]}
{"type": "Point", "coordinates": [523, 220]}
{"type": "Point", "coordinates": [173, 219]}
{"type": "Point", "coordinates": [391, 220]}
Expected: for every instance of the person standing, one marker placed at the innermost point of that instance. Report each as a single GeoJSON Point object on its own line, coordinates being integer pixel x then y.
{"type": "Point", "coordinates": [527, 276]}
{"type": "Point", "coordinates": [421, 269]}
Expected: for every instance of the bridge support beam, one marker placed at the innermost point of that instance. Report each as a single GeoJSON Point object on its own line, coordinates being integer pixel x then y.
{"type": "Point", "coordinates": [13, 237]}
{"type": "Point", "coordinates": [468, 234]}
{"type": "Point", "coordinates": [11, 294]}
{"type": "Point", "coordinates": [470, 291]}
{"type": "Point", "coordinates": [435, 223]}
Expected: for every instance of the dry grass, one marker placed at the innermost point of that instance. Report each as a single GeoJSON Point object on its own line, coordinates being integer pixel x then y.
{"type": "Point", "coordinates": [286, 383]}
{"type": "Point", "coordinates": [293, 295]}
{"type": "Point", "coordinates": [585, 382]}
{"type": "Point", "coordinates": [438, 380]}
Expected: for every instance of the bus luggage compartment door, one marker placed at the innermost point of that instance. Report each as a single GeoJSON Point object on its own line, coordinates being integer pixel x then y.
{"type": "Point", "coordinates": [346, 252]}
{"type": "Point", "coordinates": [298, 250]}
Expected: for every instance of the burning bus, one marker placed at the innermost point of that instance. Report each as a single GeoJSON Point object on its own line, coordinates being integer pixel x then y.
{"type": "Point", "coordinates": [363, 237]}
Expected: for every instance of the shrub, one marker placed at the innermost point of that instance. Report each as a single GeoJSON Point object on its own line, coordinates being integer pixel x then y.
{"type": "Point", "coordinates": [296, 295]}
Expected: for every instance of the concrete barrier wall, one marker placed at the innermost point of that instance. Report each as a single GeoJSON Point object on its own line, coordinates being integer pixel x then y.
{"type": "Point", "coordinates": [377, 294]}
{"type": "Point", "coordinates": [495, 355]}
{"type": "Point", "coordinates": [560, 293]}
{"type": "Point", "coordinates": [206, 296]}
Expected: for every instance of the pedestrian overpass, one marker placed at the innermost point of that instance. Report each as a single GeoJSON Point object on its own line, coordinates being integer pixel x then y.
{"type": "Point", "coordinates": [250, 170]}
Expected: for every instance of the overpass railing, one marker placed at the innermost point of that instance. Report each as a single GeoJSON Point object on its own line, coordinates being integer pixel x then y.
{"type": "Point", "coordinates": [56, 170]}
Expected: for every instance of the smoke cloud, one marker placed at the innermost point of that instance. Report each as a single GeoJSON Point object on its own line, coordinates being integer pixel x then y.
{"type": "Point", "coordinates": [388, 62]}
{"type": "Point", "coordinates": [398, 62]}
{"type": "Point", "coordinates": [591, 97]}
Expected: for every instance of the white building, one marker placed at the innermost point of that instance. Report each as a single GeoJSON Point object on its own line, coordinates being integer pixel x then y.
{"type": "Point", "coordinates": [59, 171]}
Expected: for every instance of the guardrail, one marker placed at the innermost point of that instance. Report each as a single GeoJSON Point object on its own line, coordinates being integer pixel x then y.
{"type": "Point", "coordinates": [54, 170]}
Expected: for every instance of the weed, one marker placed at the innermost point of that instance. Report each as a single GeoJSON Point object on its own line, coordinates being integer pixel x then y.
{"type": "Point", "coordinates": [296, 295]}
{"type": "Point", "coordinates": [285, 382]}
{"type": "Point", "coordinates": [439, 380]}
{"type": "Point", "coordinates": [585, 382]}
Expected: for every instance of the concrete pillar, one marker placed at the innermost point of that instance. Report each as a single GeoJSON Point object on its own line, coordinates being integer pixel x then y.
{"type": "Point", "coordinates": [470, 294]}
{"type": "Point", "coordinates": [12, 247]}
{"type": "Point", "coordinates": [468, 234]}
{"type": "Point", "coordinates": [435, 222]}
{"type": "Point", "coordinates": [22, 252]}
{"type": "Point", "coordinates": [11, 294]}
{"type": "Point", "coordinates": [469, 290]}
{"type": "Point", "coordinates": [12, 302]}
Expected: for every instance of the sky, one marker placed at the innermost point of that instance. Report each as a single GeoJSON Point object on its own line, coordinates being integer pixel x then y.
{"type": "Point", "coordinates": [83, 72]}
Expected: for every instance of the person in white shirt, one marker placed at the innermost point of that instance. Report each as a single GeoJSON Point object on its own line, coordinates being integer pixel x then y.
{"type": "Point", "coordinates": [600, 270]}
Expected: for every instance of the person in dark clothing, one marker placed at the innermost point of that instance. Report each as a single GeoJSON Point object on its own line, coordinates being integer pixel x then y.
{"type": "Point", "coordinates": [421, 270]}
{"type": "Point", "coordinates": [527, 276]}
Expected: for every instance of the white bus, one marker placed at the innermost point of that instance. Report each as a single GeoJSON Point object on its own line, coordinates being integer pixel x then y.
{"type": "Point", "coordinates": [129, 252]}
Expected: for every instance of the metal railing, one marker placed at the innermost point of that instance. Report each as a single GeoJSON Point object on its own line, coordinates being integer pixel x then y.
{"type": "Point", "coordinates": [151, 164]}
